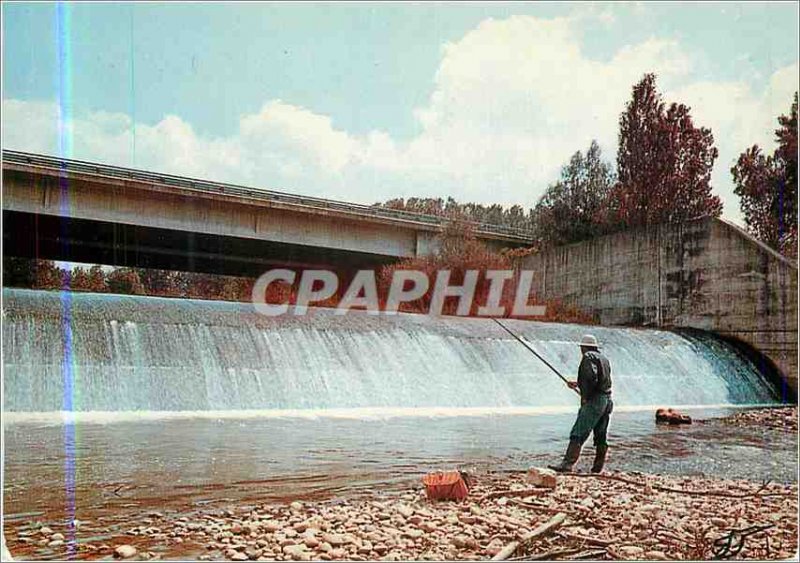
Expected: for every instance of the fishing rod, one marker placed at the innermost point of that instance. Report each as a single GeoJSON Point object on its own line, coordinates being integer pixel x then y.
{"type": "Point", "coordinates": [535, 353]}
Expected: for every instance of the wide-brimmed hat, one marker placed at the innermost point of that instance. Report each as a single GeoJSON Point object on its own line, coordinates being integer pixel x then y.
{"type": "Point", "coordinates": [589, 341]}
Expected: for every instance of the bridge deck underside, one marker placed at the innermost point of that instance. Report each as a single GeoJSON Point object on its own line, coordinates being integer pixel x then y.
{"type": "Point", "coordinates": [95, 242]}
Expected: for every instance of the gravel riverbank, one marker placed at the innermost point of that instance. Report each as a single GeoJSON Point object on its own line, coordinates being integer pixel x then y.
{"type": "Point", "coordinates": [615, 516]}
{"type": "Point", "coordinates": [782, 418]}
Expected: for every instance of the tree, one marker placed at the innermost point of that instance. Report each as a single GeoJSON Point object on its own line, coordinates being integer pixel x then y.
{"type": "Point", "coordinates": [664, 162]}
{"type": "Point", "coordinates": [160, 282]}
{"type": "Point", "coordinates": [19, 272]}
{"type": "Point", "coordinates": [460, 251]}
{"type": "Point", "coordinates": [571, 209]}
{"type": "Point", "coordinates": [79, 279]}
{"type": "Point", "coordinates": [97, 279]}
{"type": "Point", "coordinates": [767, 188]}
{"type": "Point", "coordinates": [49, 276]}
{"type": "Point", "coordinates": [125, 281]}
{"type": "Point", "coordinates": [494, 214]}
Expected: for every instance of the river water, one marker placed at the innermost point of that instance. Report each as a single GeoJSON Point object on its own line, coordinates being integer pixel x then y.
{"type": "Point", "coordinates": [89, 468]}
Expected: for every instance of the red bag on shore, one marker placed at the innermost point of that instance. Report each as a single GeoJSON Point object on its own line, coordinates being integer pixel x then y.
{"type": "Point", "coordinates": [447, 485]}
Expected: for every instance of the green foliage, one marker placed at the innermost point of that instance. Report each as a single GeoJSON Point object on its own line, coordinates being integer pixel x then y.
{"type": "Point", "coordinates": [573, 208]}
{"type": "Point", "coordinates": [514, 216]}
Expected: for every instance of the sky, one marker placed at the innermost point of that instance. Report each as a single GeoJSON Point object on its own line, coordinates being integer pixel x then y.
{"type": "Point", "coordinates": [365, 102]}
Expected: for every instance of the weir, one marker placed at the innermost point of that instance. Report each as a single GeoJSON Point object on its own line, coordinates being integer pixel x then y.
{"type": "Point", "coordinates": [100, 352]}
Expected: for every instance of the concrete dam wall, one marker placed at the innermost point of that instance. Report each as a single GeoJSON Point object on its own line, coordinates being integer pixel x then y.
{"type": "Point", "coordinates": [705, 274]}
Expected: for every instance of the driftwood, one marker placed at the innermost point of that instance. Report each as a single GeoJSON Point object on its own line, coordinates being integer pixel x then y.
{"type": "Point", "coordinates": [683, 491]}
{"type": "Point", "coordinates": [593, 541]}
{"type": "Point", "coordinates": [553, 553]}
{"type": "Point", "coordinates": [545, 528]}
{"type": "Point", "coordinates": [593, 554]}
{"type": "Point", "coordinates": [582, 517]}
{"type": "Point", "coordinates": [533, 506]}
{"type": "Point", "coordinates": [510, 494]}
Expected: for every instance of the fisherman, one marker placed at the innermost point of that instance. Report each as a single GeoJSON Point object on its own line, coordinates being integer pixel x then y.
{"type": "Point", "coordinates": [594, 385]}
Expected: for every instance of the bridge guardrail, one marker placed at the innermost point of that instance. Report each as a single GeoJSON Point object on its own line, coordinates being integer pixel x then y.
{"type": "Point", "coordinates": [70, 165]}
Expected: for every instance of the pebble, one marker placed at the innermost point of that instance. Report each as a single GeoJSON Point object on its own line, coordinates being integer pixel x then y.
{"type": "Point", "coordinates": [380, 548]}
{"type": "Point", "coordinates": [405, 510]}
{"type": "Point", "coordinates": [428, 527]}
{"type": "Point", "coordinates": [334, 539]}
{"type": "Point", "coordinates": [541, 477]}
{"type": "Point", "coordinates": [125, 551]}
{"type": "Point", "coordinates": [271, 526]}
{"type": "Point", "coordinates": [292, 549]}
{"type": "Point", "coordinates": [630, 550]}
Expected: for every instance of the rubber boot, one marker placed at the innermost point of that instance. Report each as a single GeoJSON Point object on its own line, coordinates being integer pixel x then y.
{"type": "Point", "coordinates": [570, 458]}
{"type": "Point", "coordinates": [600, 454]}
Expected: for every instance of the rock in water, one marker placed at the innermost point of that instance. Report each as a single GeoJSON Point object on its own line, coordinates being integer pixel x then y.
{"type": "Point", "coordinates": [124, 551]}
{"type": "Point", "coordinates": [541, 477]}
{"type": "Point", "coordinates": [669, 416]}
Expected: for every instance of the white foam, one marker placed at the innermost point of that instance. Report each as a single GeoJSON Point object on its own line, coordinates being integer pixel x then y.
{"type": "Point", "coordinates": [374, 413]}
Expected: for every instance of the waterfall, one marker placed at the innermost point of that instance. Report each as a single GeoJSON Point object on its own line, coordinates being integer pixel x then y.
{"type": "Point", "coordinates": [132, 353]}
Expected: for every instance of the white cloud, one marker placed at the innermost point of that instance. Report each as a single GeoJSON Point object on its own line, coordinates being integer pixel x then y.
{"type": "Point", "coordinates": [511, 101]}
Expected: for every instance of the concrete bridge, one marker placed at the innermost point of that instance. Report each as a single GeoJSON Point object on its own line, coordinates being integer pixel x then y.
{"type": "Point", "coordinates": [706, 274]}
{"type": "Point", "coordinates": [85, 212]}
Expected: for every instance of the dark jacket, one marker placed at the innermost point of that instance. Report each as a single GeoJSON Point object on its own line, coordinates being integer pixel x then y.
{"type": "Point", "coordinates": [594, 375]}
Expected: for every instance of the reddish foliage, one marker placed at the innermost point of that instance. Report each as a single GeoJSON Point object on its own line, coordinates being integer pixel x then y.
{"type": "Point", "coordinates": [93, 279]}
{"type": "Point", "coordinates": [767, 188]}
{"type": "Point", "coordinates": [125, 280]}
{"type": "Point", "coordinates": [459, 252]}
{"type": "Point", "coordinates": [664, 163]}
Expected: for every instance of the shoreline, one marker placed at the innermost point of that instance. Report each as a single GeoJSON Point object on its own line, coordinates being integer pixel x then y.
{"type": "Point", "coordinates": [617, 515]}
{"type": "Point", "coordinates": [356, 413]}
